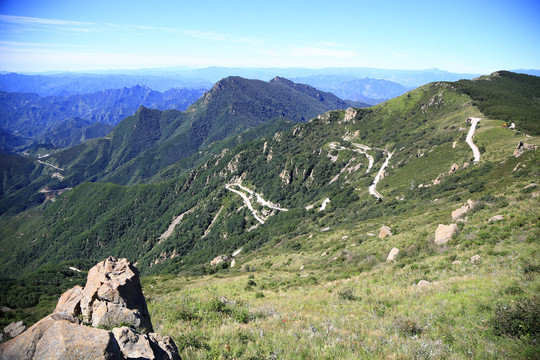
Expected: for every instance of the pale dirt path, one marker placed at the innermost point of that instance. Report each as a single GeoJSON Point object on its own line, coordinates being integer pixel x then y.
{"type": "Point", "coordinates": [51, 165]}
{"type": "Point", "coordinates": [361, 149]}
{"type": "Point", "coordinates": [259, 198]}
{"type": "Point", "coordinates": [469, 139]}
{"type": "Point", "coordinates": [373, 188]}
{"type": "Point", "coordinates": [171, 227]}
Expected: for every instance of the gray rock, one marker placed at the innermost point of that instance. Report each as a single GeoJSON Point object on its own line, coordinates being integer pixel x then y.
{"type": "Point", "coordinates": [444, 233]}
{"type": "Point", "coordinates": [423, 283]}
{"type": "Point", "coordinates": [14, 329]}
{"type": "Point", "coordinates": [112, 296]}
{"type": "Point", "coordinates": [60, 339]}
{"type": "Point", "coordinates": [475, 259]}
{"type": "Point", "coordinates": [496, 218]}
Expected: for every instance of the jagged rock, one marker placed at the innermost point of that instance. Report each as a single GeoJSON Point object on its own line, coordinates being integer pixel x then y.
{"type": "Point", "coordinates": [14, 329]}
{"type": "Point", "coordinates": [350, 113]}
{"type": "Point", "coordinates": [522, 147]}
{"type": "Point", "coordinates": [458, 213]}
{"type": "Point", "coordinates": [135, 345]}
{"type": "Point", "coordinates": [219, 259]}
{"type": "Point", "coordinates": [453, 168]}
{"type": "Point", "coordinates": [496, 218]}
{"type": "Point", "coordinates": [112, 295]}
{"type": "Point", "coordinates": [423, 283]}
{"type": "Point", "coordinates": [393, 254]}
{"type": "Point", "coordinates": [475, 259]}
{"type": "Point", "coordinates": [385, 231]}
{"type": "Point", "coordinates": [56, 337]}
{"type": "Point", "coordinates": [444, 233]}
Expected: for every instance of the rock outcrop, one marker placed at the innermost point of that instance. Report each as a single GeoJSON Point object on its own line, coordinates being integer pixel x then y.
{"type": "Point", "coordinates": [219, 259]}
{"type": "Point", "coordinates": [522, 147]}
{"type": "Point", "coordinates": [444, 233]}
{"type": "Point", "coordinates": [458, 213]}
{"type": "Point", "coordinates": [111, 299]}
{"type": "Point", "coordinates": [385, 231]}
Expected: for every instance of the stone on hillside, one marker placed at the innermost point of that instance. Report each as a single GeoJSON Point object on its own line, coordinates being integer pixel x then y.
{"type": "Point", "coordinates": [350, 113]}
{"type": "Point", "coordinates": [456, 262]}
{"type": "Point", "coordinates": [475, 259]}
{"type": "Point", "coordinates": [423, 283]}
{"type": "Point", "coordinates": [135, 345]}
{"type": "Point", "coordinates": [59, 336]}
{"type": "Point", "coordinates": [470, 205]}
{"type": "Point", "coordinates": [453, 168]}
{"type": "Point", "coordinates": [218, 260]}
{"type": "Point", "coordinates": [466, 164]}
{"type": "Point", "coordinates": [14, 329]}
{"type": "Point", "coordinates": [496, 218]}
{"type": "Point", "coordinates": [522, 147]}
{"type": "Point", "coordinates": [385, 231]}
{"type": "Point", "coordinates": [393, 254]}
{"type": "Point", "coordinates": [233, 263]}
{"type": "Point", "coordinates": [112, 295]}
{"type": "Point", "coordinates": [444, 233]}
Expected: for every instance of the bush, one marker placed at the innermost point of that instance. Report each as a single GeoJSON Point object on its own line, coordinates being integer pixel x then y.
{"type": "Point", "coordinates": [347, 293]}
{"type": "Point", "coordinates": [408, 327]}
{"type": "Point", "coordinates": [520, 319]}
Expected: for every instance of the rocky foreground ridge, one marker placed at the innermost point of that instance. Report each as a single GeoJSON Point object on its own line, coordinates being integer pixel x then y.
{"type": "Point", "coordinates": [77, 329]}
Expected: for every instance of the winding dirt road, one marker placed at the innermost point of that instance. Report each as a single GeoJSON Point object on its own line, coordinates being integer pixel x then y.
{"type": "Point", "coordinates": [469, 140]}
{"type": "Point", "coordinates": [373, 188]}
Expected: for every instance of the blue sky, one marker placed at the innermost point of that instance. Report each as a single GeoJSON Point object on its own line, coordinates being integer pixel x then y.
{"type": "Point", "coordinates": [459, 36]}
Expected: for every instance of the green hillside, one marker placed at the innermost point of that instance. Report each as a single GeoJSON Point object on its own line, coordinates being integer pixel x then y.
{"type": "Point", "coordinates": [300, 210]}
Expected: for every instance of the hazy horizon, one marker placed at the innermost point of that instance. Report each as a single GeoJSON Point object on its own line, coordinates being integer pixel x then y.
{"type": "Point", "coordinates": [461, 37]}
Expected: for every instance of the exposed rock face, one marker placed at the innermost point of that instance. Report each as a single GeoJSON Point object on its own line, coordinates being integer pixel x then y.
{"type": "Point", "coordinates": [385, 231]}
{"type": "Point", "coordinates": [14, 329]}
{"type": "Point", "coordinates": [522, 147]}
{"type": "Point", "coordinates": [444, 233]}
{"type": "Point", "coordinates": [458, 213]}
{"type": "Point", "coordinates": [112, 296]}
{"type": "Point", "coordinates": [393, 254]}
{"type": "Point", "coordinates": [219, 259]}
{"type": "Point", "coordinates": [350, 113]}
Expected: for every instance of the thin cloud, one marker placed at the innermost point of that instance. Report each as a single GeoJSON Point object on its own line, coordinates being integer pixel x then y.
{"type": "Point", "coordinates": [40, 21]}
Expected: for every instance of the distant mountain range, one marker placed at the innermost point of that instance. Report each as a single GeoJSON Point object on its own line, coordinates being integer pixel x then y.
{"type": "Point", "coordinates": [151, 140]}
{"type": "Point", "coordinates": [38, 119]}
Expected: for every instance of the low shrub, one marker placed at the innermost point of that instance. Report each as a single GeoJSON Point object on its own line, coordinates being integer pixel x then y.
{"type": "Point", "coordinates": [519, 319]}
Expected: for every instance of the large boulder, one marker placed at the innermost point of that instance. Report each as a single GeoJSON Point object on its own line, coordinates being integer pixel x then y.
{"type": "Point", "coordinates": [444, 233]}
{"type": "Point", "coordinates": [59, 336]}
{"type": "Point", "coordinates": [111, 298]}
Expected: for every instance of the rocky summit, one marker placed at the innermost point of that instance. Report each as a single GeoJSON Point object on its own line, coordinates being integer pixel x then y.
{"type": "Point", "coordinates": [107, 319]}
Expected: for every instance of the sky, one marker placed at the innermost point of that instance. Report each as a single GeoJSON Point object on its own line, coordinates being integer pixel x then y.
{"type": "Point", "coordinates": [459, 36]}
